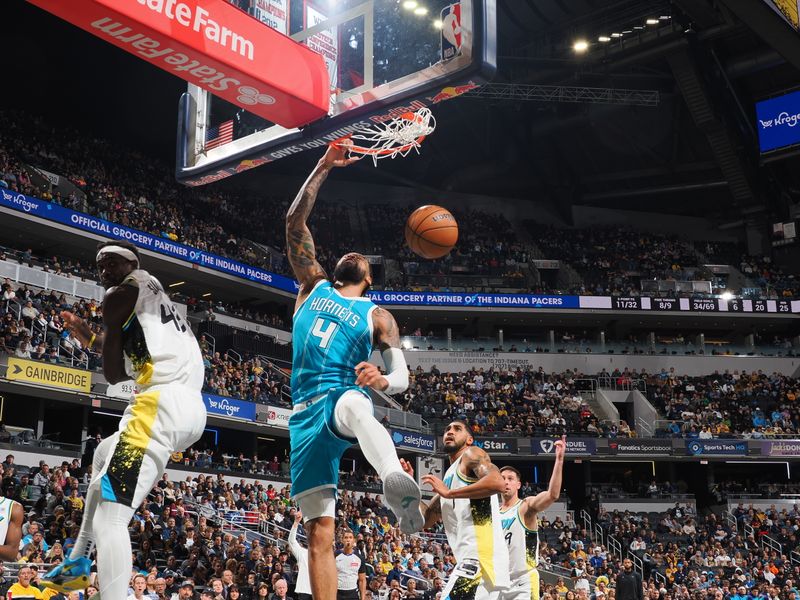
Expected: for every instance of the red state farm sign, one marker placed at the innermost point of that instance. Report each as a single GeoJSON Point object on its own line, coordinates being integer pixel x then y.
{"type": "Point", "coordinates": [215, 46]}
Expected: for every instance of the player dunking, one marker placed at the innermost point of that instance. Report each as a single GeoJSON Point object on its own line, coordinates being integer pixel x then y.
{"type": "Point", "coordinates": [334, 330]}
{"type": "Point", "coordinates": [467, 502]}
{"type": "Point", "coordinates": [145, 339]}
{"type": "Point", "coordinates": [521, 527]}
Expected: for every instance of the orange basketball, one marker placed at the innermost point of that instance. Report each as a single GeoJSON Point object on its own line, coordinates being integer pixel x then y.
{"type": "Point", "coordinates": [431, 231]}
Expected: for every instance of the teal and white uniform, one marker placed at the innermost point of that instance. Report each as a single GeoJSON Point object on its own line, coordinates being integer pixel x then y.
{"type": "Point", "coordinates": [331, 335]}
{"type": "Point", "coordinates": [523, 556]}
{"type": "Point", "coordinates": [6, 504]}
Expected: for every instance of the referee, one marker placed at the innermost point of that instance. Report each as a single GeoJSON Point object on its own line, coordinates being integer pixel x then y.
{"type": "Point", "coordinates": [351, 571]}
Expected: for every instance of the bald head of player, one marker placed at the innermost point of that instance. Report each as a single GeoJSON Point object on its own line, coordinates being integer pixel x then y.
{"type": "Point", "coordinates": [457, 434]}
{"type": "Point", "coordinates": [353, 271]}
{"type": "Point", "coordinates": [115, 261]}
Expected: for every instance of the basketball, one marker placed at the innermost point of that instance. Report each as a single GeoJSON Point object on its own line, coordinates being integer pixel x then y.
{"type": "Point", "coordinates": [431, 231]}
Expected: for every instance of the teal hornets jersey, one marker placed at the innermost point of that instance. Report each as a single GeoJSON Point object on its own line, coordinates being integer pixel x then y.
{"type": "Point", "coordinates": [331, 335]}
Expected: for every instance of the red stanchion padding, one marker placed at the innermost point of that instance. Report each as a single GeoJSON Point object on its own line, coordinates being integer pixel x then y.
{"type": "Point", "coordinates": [215, 46]}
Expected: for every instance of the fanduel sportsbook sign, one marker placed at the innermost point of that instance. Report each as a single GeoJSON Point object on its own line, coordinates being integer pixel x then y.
{"type": "Point", "coordinates": [215, 46]}
{"type": "Point", "coordinates": [575, 446]}
{"type": "Point", "coordinates": [411, 440]}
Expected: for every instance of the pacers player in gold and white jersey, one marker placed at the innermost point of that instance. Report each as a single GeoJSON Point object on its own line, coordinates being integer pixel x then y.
{"type": "Point", "coordinates": [145, 339]}
{"type": "Point", "coordinates": [467, 501]}
{"type": "Point", "coordinates": [519, 519]}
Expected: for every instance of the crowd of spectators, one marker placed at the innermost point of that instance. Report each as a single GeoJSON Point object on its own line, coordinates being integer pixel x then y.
{"type": "Point", "coordinates": [253, 379]}
{"type": "Point", "coordinates": [129, 188]}
{"type": "Point", "coordinates": [213, 532]}
{"type": "Point", "coordinates": [753, 405]}
{"type": "Point", "coordinates": [523, 402]}
{"type": "Point", "coordinates": [31, 326]}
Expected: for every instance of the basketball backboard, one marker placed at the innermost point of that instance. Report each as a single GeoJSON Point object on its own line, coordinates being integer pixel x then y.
{"type": "Point", "coordinates": [384, 58]}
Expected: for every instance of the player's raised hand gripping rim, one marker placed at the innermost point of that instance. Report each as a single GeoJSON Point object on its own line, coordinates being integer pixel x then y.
{"type": "Point", "coordinates": [337, 154]}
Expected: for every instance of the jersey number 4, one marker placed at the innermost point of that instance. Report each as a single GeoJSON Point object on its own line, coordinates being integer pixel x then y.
{"type": "Point", "coordinates": [324, 330]}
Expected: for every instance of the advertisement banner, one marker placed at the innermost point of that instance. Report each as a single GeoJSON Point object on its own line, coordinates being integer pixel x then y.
{"type": "Point", "coordinates": [411, 440]}
{"type": "Point", "coordinates": [716, 447]}
{"type": "Point", "coordinates": [274, 13]}
{"type": "Point", "coordinates": [477, 300]}
{"type": "Point", "coordinates": [165, 246]}
{"type": "Point", "coordinates": [575, 446]}
{"type": "Point", "coordinates": [497, 445]}
{"type": "Point", "coordinates": [777, 121]}
{"type": "Point", "coordinates": [325, 43]}
{"type": "Point", "coordinates": [278, 417]}
{"type": "Point", "coordinates": [229, 407]}
{"type": "Point", "coordinates": [48, 374]}
{"type": "Point", "coordinates": [123, 390]}
{"type": "Point", "coordinates": [780, 448]}
{"type": "Point", "coordinates": [215, 46]}
{"type": "Point", "coordinates": [637, 447]}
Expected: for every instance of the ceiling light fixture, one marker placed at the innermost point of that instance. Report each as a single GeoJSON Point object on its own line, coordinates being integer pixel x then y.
{"type": "Point", "coordinates": [604, 39]}
{"type": "Point", "coordinates": [580, 46]}
{"type": "Point", "coordinates": [420, 10]}
{"type": "Point", "coordinates": [410, 4]}
{"type": "Point", "coordinates": [652, 21]}
{"type": "Point", "coordinates": [176, 284]}
{"type": "Point", "coordinates": [438, 24]}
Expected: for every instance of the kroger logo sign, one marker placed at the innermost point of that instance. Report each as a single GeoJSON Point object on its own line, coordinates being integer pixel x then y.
{"type": "Point", "coordinates": [229, 407]}
{"type": "Point", "coordinates": [413, 441]}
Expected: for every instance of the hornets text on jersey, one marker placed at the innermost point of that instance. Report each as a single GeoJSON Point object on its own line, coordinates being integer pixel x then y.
{"type": "Point", "coordinates": [331, 335]}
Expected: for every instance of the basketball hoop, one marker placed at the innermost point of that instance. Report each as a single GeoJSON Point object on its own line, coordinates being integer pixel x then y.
{"type": "Point", "coordinates": [396, 137]}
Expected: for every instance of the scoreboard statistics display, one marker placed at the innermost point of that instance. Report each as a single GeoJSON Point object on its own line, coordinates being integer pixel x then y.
{"type": "Point", "coordinates": [734, 305]}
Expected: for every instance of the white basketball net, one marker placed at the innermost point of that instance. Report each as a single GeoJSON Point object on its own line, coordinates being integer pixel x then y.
{"type": "Point", "coordinates": [396, 137]}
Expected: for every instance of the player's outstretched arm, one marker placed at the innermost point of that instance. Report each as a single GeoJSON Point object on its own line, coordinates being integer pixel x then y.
{"type": "Point", "coordinates": [477, 462]}
{"type": "Point", "coordinates": [387, 339]}
{"type": "Point", "coordinates": [299, 243]}
{"type": "Point", "coordinates": [544, 500]}
{"type": "Point", "coordinates": [118, 305]}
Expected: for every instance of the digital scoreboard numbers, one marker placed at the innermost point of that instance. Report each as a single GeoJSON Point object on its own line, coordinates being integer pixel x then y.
{"type": "Point", "coordinates": [664, 304]}
{"type": "Point", "coordinates": [703, 304]}
{"type": "Point", "coordinates": [620, 303]}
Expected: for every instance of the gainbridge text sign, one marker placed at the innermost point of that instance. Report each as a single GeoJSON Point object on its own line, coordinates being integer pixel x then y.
{"type": "Point", "coordinates": [44, 373]}
{"type": "Point", "coordinates": [214, 46]}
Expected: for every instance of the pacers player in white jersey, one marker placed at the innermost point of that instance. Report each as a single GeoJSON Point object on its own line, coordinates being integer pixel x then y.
{"type": "Point", "coordinates": [11, 517]}
{"type": "Point", "coordinates": [145, 339]}
{"type": "Point", "coordinates": [335, 328]}
{"type": "Point", "coordinates": [467, 501]}
{"type": "Point", "coordinates": [519, 519]}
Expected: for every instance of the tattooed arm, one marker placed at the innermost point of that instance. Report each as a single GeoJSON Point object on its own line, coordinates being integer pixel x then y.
{"type": "Point", "coordinates": [299, 243]}
{"type": "Point", "coordinates": [387, 340]}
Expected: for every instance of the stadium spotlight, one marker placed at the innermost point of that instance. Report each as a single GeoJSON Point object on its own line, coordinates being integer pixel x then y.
{"type": "Point", "coordinates": [580, 46]}
{"type": "Point", "coordinates": [420, 11]}
{"type": "Point", "coordinates": [616, 35]}
{"type": "Point", "coordinates": [726, 296]}
{"type": "Point", "coordinates": [652, 21]}
{"type": "Point", "coordinates": [410, 4]}
{"type": "Point", "coordinates": [438, 24]}
{"type": "Point", "coordinates": [604, 39]}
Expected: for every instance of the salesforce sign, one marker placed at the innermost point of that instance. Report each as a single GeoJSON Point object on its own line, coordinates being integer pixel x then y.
{"type": "Point", "coordinates": [229, 407]}
{"type": "Point", "coordinates": [410, 440]}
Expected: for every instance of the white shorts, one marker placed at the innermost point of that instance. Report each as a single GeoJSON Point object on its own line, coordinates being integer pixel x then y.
{"type": "Point", "coordinates": [467, 583]}
{"type": "Point", "coordinates": [159, 421]}
{"type": "Point", "coordinates": [523, 588]}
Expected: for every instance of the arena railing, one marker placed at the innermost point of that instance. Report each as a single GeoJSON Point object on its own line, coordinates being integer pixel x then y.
{"type": "Point", "coordinates": [614, 546]}
{"type": "Point", "coordinates": [794, 557]}
{"type": "Point", "coordinates": [40, 278]}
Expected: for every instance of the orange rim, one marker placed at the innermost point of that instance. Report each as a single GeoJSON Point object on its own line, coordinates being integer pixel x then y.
{"type": "Point", "coordinates": [379, 151]}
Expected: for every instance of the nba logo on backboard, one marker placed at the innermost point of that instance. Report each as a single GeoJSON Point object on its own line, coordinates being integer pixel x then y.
{"type": "Point", "coordinates": [451, 31]}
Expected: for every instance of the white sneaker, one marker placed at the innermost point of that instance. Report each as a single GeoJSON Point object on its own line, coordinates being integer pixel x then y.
{"type": "Point", "coordinates": [403, 497]}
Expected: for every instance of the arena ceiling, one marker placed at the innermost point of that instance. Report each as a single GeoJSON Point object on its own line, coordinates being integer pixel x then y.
{"type": "Point", "coordinates": [693, 153]}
